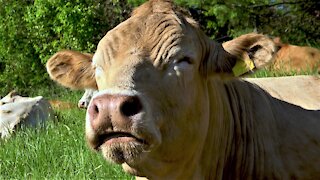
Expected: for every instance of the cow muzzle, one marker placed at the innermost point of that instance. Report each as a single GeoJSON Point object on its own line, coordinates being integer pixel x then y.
{"type": "Point", "coordinates": [111, 118]}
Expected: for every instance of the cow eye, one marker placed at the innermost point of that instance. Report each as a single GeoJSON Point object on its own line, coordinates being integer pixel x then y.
{"type": "Point", "coordinates": [98, 71]}
{"type": "Point", "coordinates": [253, 50]}
{"type": "Point", "coordinates": [184, 60]}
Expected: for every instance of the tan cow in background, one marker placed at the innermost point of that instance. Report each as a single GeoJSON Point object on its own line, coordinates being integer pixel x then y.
{"type": "Point", "coordinates": [168, 107]}
{"type": "Point", "coordinates": [296, 58]}
{"type": "Point", "coordinates": [288, 58]}
{"type": "Point", "coordinates": [261, 52]}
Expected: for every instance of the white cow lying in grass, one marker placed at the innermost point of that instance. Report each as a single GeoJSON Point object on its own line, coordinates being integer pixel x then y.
{"type": "Point", "coordinates": [20, 111]}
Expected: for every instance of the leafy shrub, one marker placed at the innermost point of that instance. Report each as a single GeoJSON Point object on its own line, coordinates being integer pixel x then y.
{"type": "Point", "coordinates": [18, 61]}
{"type": "Point", "coordinates": [32, 31]}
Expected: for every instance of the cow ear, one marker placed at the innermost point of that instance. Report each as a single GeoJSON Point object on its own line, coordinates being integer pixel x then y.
{"type": "Point", "coordinates": [216, 59]}
{"type": "Point", "coordinates": [72, 69]}
{"type": "Point", "coordinates": [12, 93]}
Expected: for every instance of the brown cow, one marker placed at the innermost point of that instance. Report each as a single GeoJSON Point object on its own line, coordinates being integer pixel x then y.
{"type": "Point", "coordinates": [296, 58]}
{"type": "Point", "coordinates": [168, 108]}
{"type": "Point", "coordinates": [261, 52]}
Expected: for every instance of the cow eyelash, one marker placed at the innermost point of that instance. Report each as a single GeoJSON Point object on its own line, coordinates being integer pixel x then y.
{"type": "Point", "coordinates": [184, 59]}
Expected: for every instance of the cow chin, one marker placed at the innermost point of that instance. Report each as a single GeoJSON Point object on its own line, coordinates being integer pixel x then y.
{"type": "Point", "coordinates": [123, 152]}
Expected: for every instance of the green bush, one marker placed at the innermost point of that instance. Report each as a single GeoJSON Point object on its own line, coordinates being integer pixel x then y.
{"type": "Point", "coordinates": [32, 31]}
{"type": "Point", "coordinates": [61, 24]}
{"type": "Point", "coordinates": [18, 65]}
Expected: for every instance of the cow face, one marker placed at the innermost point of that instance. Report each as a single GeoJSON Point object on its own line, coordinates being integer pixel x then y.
{"type": "Point", "coordinates": [152, 73]}
{"type": "Point", "coordinates": [261, 52]}
{"type": "Point", "coordinates": [9, 98]}
{"type": "Point", "coordinates": [151, 91]}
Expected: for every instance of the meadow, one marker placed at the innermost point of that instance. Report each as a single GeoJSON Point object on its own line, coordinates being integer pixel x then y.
{"type": "Point", "coordinates": [58, 151]}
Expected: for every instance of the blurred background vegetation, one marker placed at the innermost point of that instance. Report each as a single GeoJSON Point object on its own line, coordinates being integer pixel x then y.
{"type": "Point", "coordinates": [33, 30]}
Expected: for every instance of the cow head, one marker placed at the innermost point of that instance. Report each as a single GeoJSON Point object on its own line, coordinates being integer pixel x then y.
{"type": "Point", "coordinates": [261, 52]}
{"type": "Point", "coordinates": [152, 73]}
{"type": "Point", "coordinates": [9, 98]}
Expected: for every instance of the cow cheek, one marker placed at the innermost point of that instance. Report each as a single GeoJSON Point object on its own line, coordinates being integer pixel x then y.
{"type": "Point", "coordinates": [100, 78]}
{"type": "Point", "coordinates": [101, 83]}
{"type": "Point", "coordinates": [186, 122]}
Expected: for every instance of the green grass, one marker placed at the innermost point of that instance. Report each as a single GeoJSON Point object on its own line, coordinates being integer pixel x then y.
{"type": "Point", "coordinates": [267, 73]}
{"type": "Point", "coordinates": [58, 151]}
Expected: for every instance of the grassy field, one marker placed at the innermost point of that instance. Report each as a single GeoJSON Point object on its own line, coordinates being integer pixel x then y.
{"type": "Point", "coordinates": [58, 151]}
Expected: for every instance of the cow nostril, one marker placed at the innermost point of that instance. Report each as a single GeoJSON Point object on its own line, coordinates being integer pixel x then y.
{"type": "Point", "coordinates": [93, 111]}
{"type": "Point", "coordinates": [131, 106]}
{"type": "Point", "coordinates": [96, 110]}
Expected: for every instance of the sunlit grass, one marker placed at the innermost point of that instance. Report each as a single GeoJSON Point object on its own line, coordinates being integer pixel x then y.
{"type": "Point", "coordinates": [58, 151]}
{"type": "Point", "coordinates": [268, 73]}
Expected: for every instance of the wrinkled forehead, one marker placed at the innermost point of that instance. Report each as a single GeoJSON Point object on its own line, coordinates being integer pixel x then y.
{"type": "Point", "coordinates": [155, 36]}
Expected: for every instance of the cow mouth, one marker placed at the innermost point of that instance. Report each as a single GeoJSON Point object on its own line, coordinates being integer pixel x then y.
{"type": "Point", "coordinates": [117, 137]}
{"type": "Point", "coordinates": [120, 147]}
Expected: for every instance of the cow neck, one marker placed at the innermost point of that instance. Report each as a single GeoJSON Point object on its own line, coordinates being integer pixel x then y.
{"type": "Point", "coordinates": [231, 150]}
{"type": "Point", "coordinates": [241, 149]}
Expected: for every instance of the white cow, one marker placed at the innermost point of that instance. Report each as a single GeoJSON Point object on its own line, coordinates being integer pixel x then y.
{"type": "Point", "coordinates": [86, 98]}
{"type": "Point", "coordinates": [16, 111]}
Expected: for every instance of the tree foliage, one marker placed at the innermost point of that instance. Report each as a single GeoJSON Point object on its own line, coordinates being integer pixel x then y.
{"type": "Point", "coordinates": [296, 21]}
{"type": "Point", "coordinates": [31, 31]}
{"type": "Point", "coordinates": [17, 65]}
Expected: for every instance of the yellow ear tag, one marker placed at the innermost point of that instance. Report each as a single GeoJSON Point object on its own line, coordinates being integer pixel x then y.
{"type": "Point", "coordinates": [242, 67]}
